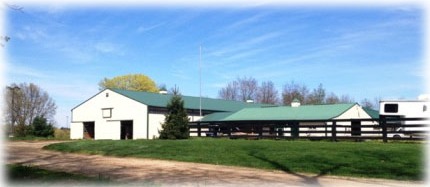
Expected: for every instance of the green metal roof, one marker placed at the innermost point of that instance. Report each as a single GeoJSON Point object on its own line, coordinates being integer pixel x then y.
{"type": "Point", "coordinates": [161, 100]}
{"type": "Point", "coordinates": [372, 113]}
{"type": "Point", "coordinates": [304, 112]}
{"type": "Point", "coordinates": [217, 116]}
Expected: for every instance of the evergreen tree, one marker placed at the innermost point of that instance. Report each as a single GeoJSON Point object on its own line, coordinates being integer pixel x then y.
{"type": "Point", "coordinates": [42, 128]}
{"type": "Point", "coordinates": [175, 124]}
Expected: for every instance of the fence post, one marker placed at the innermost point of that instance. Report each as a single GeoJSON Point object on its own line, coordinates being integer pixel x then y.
{"type": "Point", "coordinates": [333, 131]}
{"type": "Point", "coordinates": [199, 130]}
{"type": "Point", "coordinates": [383, 124]}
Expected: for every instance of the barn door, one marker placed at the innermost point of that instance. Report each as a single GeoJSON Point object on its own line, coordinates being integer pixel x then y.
{"type": "Point", "coordinates": [126, 130]}
{"type": "Point", "coordinates": [88, 130]}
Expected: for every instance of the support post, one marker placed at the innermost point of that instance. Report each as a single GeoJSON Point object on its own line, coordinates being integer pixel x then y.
{"type": "Point", "coordinates": [199, 130]}
{"type": "Point", "coordinates": [383, 124]}
{"type": "Point", "coordinates": [333, 131]}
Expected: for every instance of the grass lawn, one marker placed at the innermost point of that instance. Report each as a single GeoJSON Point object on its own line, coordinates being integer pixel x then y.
{"type": "Point", "coordinates": [394, 160]}
{"type": "Point", "coordinates": [33, 175]}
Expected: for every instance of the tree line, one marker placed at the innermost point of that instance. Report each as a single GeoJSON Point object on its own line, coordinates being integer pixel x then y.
{"type": "Point", "coordinates": [247, 88]}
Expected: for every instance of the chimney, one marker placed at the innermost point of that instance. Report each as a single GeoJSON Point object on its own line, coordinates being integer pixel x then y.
{"type": "Point", "coordinates": [295, 103]}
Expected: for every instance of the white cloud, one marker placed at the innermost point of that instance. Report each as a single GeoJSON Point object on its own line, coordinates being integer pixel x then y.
{"type": "Point", "coordinates": [143, 29]}
{"type": "Point", "coordinates": [105, 47]}
{"type": "Point", "coordinates": [16, 70]}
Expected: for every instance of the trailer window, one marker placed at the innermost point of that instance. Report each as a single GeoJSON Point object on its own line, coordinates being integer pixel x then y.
{"type": "Point", "coordinates": [391, 108]}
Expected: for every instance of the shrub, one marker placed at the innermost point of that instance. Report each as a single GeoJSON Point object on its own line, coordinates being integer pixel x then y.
{"type": "Point", "coordinates": [22, 130]}
{"type": "Point", "coordinates": [175, 125]}
{"type": "Point", "coordinates": [41, 128]}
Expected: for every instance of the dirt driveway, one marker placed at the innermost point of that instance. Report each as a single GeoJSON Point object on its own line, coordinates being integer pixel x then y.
{"type": "Point", "coordinates": [167, 173]}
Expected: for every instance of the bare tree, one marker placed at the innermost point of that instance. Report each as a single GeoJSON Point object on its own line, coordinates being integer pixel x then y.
{"type": "Point", "coordinates": [346, 99]}
{"type": "Point", "coordinates": [175, 90]}
{"type": "Point", "coordinates": [317, 96]}
{"type": "Point", "coordinates": [28, 102]}
{"type": "Point", "coordinates": [248, 88]}
{"type": "Point", "coordinates": [332, 99]}
{"type": "Point", "coordinates": [267, 93]}
{"type": "Point", "coordinates": [230, 92]}
{"type": "Point", "coordinates": [367, 103]}
{"type": "Point", "coordinates": [293, 91]}
{"type": "Point", "coordinates": [241, 89]}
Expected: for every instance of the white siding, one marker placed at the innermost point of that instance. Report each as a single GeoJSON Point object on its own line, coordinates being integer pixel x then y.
{"type": "Point", "coordinates": [155, 121]}
{"type": "Point", "coordinates": [76, 130]}
{"type": "Point", "coordinates": [123, 108]}
{"type": "Point", "coordinates": [356, 112]}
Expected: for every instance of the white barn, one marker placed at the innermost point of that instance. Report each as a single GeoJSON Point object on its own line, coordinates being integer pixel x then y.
{"type": "Point", "coordinates": [122, 114]}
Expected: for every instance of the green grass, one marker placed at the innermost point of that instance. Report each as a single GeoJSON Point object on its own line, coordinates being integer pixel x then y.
{"type": "Point", "coordinates": [395, 160]}
{"type": "Point", "coordinates": [17, 173]}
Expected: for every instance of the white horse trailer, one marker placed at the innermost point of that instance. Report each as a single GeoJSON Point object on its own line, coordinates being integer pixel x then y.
{"type": "Point", "coordinates": [401, 109]}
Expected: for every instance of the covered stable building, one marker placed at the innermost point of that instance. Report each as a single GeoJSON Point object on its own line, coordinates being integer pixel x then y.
{"type": "Point", "coordinates": [273, 121]}
{"type": "Point", "coordinates": [122, 114]}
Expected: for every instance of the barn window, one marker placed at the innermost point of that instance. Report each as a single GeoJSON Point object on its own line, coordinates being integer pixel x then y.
{"type": "Point", "coordinates": [391, 108]}
{"type": "Point", "coordinates": [107, 112]}
{"type": "Point", "coordinates": [107, 94]}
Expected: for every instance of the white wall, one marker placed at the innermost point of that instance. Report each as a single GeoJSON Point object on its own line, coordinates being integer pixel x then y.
{"type": "Point", "coordinates": [155, 121]}
{"type": "Point", "coordinates": [76, 130]}
{"type": "Point", "coordinates": [123, 108]}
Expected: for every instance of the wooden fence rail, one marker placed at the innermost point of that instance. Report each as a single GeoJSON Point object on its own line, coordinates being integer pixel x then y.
{"type": "Point", "coordinates": [356, 129]}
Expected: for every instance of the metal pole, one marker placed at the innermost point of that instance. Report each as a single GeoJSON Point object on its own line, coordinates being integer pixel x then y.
{"type": "Point", "coordinates": [200, 79]}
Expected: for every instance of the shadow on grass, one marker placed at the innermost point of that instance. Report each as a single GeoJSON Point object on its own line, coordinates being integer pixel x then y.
{"type": "Point", "coordinates": [307, 180]}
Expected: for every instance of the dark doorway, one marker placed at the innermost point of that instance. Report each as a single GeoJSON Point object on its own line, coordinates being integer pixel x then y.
{"type": "Point", "coordinates": [355, 128]}
{"type": "Point", "coordinates": [88, 130]}
{"type": "Point", "coordinates": [126, 130]}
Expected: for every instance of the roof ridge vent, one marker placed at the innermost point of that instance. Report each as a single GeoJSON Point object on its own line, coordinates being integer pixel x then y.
{"type": "Point", "coordinates": [295, 103]}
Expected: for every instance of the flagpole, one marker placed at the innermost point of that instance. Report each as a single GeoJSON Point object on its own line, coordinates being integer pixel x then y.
{"type": "Point", "coordinates": [200, 78]}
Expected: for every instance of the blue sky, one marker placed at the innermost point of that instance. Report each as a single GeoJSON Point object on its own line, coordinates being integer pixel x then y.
{"type": "Point", "coordinates": [365, 52]}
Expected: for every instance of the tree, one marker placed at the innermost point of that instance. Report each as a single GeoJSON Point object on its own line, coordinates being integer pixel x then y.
{"type": "Point", "coordinates": [367, 103]}
{"type": "Point", "coordinates": [176, 120]}
{"type": "Point", "coordinates": [267, 93]}
{"type": "Point", "coordinates": [241, 89]}
{"type": "Point", "coordinates": [136, 82]}
{"type": "Point", "coordinates": [317, 96]}
{"type": "Point", "coordinates": [248, 88]}
{"type": "Point", "coordinates": [230, 92]}
{"type": "Point", "coordinates": [175, 90]}
{"type": "Point", "coordinates": [27, 102]}
{"type": "Point", "coordinates": [293, 91]}
{"type": "Point", "coordinates": [346, 99]}
{"type": "Point", "coordinates": [332, 99]}
{"type": "Point", "coordinates": [41, 128]}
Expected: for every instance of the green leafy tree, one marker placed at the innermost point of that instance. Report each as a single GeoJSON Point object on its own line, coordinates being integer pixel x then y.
{"type": "Point", "coordinates": [136, 82]}
{"type": "Point", "coordinates": [175, 124]}
{"type": "Point", "coordinates": [42, 128]}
